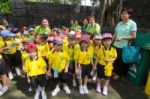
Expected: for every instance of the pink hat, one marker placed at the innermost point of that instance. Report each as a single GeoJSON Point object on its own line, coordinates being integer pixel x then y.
{"type": "Point", "coordinates": [107, 35]}
{"type": "Point", "coordinates": [85, 38]}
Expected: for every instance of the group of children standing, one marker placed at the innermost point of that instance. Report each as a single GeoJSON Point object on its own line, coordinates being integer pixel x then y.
{"type": "Point", "coordinates": [59, 57]}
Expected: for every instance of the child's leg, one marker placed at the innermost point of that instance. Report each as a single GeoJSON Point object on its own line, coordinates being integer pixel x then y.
{"type": "Point", "coordinates": [85, 85]}
{"type": "Point", "coordinates": [105, 88]}
{"type": "Point", "coordinates": [74, 79]}
{"type": "Point", "coordinates": [5, 84]}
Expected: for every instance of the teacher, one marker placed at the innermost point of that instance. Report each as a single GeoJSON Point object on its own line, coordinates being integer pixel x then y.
{"type": "Point", "coordinates": [124, 31]}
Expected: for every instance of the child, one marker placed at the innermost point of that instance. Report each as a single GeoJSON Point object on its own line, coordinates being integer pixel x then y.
{"type": "Point", "coordinates": [43, 46]}
{"type": "Point", "coordinates": [10, 53]}
{"type": "Point", "coordinates": [104, 63]}
{"type": "Point", "coordinates": [83, 61]}
{"type": "Point", "coordinates": [3, 73]}
{"type": "Point", "coordinates": [96, 44]}
{"type": "Point", "coordinates": [35, 67]}
{"type": "Point", "coordinates": [59, 61]}
{"type": "Point", "coordinates": [70, 49]}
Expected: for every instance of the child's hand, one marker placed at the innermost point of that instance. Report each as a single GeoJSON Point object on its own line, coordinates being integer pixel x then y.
{"type": "Point", "coordinates": [29, 81]}
{"type": "Point", "coordinates": [49, 74]}
{"type": "Point", "coordinates": [66, 70]}
{"type": "Point", "coordinates": [94, 68]}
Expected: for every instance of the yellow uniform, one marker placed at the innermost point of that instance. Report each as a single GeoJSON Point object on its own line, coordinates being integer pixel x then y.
{"type": "Point", "coordinates": [71, 51]}
{"type": "Point", "coordinates": [108, 54]}
{"type": "Point", "coordinates": [59, 60]}
{"type": "Point", "coordinates": [35, 68]}
{"type": "Point", "coordinates": [13, 46]}
{"type": "Point", "coordinates": [84, 57]}
{"type": "Point", "coordinates": [43, 49]}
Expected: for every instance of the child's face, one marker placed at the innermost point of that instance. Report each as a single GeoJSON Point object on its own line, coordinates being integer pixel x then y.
{"type": "Point", "coordinates": [71, 41]}
{"type": "Point", "coordinates": [97, 41]}
{"type": "Point", "coordinates": [38, 40]}
{"type": "Point", "coordinates": [33, 54]}
{"type": "Point", "coordinates": [58, 47]}
{"type": "Point", "coordinates": [84, 44]}
{"type": "Point", "coordinates": [107, 42]}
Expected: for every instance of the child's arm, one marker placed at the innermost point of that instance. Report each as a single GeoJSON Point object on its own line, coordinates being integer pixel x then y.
{"type": "Point", "coordinates": [49, 73]}
{"type": "Point", "coordinates": [95, 64]}
{"type": "Point", "coordinates": [66, 68]}
{"type": "Point", "coordinates": [109, 60]}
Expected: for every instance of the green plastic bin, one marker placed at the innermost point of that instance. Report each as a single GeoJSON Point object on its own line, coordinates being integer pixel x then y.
{"type": "Point", "coordinates": [138, 72]}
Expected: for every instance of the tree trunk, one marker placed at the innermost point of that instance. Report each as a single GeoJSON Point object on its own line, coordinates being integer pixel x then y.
{"type": "Point", "coordinates": [110, 12]}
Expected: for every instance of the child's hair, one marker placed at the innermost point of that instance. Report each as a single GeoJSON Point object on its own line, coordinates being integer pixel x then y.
{"type": "Point", "coordinates": [42, 37]}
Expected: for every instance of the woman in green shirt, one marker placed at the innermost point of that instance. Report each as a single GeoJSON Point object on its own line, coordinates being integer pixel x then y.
{"type": "Point", "coordinates": [124, 31]}
{"type": "Point", "coordinates": [43, 28]}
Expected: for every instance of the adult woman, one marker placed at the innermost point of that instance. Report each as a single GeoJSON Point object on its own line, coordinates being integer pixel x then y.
{"type": "Point", "coordinates": [44, 28]}
{"type": "Point", "coordinates": [124, 32]}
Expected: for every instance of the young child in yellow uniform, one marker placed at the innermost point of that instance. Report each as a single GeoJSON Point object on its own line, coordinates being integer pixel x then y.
{"type": "Point", "coordinates": [10, 53]}
{"type": "Point", "coordinates": [42, 45]}
{"type": "Point", "coordinates": [70, 49]}
{"type": "Point", "coordinates": [104, 63]}
{"type": "Point", "coordinates": [35, 67]}
{"type": "Point", "coordinates": [58, 69]}
{"type": "Point", "coordinates": [3, 72]}
{"type": "Point", "coordinates": [83, 61]}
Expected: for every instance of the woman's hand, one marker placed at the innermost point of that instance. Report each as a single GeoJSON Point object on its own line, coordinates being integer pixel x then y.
{"type": "Point", "coordinates": [119, 39]}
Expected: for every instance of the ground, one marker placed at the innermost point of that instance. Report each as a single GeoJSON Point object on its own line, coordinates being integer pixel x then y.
{"type": "Point", "coordinates": [121, 89]}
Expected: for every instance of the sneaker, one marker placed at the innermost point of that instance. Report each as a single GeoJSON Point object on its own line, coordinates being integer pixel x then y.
{"type": "Point", "coordinates": [81, 90]}
{"type": "Point", "coordinates": [74, 83]}
{"type": "Point", "coordinates": [37, 94]}
{"type": "Point", "coordinates": [18, 71]}
{"type": "Point", "coordinates": [3, 90]}
{"type": "Point", "coordinates": [55, 91]}
{"type": "Point", "coordinates": [10, 75]}
{"type": "Point", "coordinates": [98, 88]}
{"type": "Point", "coordinates": [67, 90]}
{"type": "Point", "coordinates": [30, 89]}
{"type": "Point", "coordinates": [105, 91]}
{"type": "Point", "coordinates": [85, 89]}
{"type": "Point", "coordinates": [43, 94]}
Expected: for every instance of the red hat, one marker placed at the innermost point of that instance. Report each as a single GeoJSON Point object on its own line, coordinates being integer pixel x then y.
{"type": "Point", "coordinates": [77, 34]}
{"type": "Point", "coordinates": [31, 47]}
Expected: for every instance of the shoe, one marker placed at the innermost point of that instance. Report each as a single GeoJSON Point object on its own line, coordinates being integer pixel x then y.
{"type": "Point", "coordinates": [43, 94]}
{"type": "Point", "coordinates": [105, 91]}
{"type": "Point", "coordinates": [81, 90]}
{"type": "Point", "coordinates": [3, 90]}
{"type": "Point", "coordinates": [85, 89]}
{"type": "Point", "coordinates": [30, 89]}
{"type": "Point", "coordinates": [74, 83]}
{"type": "Point", "coordinates": [37, 94]}
{"type": "Point", "coordinates": [18, 71]}
{"type": "Point", "coordinates": [10, 75]}
{"type": "Point", "coordinates": [98, 88]}
{"type": "Point", "coordinates": [55, 91]}
{"type": "Point", "coordinates": [67, 90]}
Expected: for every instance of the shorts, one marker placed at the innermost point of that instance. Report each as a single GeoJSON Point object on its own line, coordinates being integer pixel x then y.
{"type": "Point", "coordinates": [103, 73]}
{"type": "Point", "coordinates": [86, 69]}
{"type": "Point", "coordinates": [72, 67]}
{"type": "Point", "coordinates": [62, 77]}
{"type": "Point", "coordinates": [3, 69]}
{"type": "Point", "coordinates": [39, 80]}
{"type": "Point", "coordinates": [11, 60]}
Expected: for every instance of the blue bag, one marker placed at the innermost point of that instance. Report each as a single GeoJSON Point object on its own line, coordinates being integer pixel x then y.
{"type": "Point", "coordinates": [130, 54]}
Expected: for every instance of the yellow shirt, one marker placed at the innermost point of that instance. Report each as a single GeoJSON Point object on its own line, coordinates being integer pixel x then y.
{"type": "Point", "coordinates": [43, 49]}
{"type": "Point", "coordinates": [35, 68]}
{"type": "Point", "coordinates": [108, 54]}
{"type": "Point", "coordinates": [13, 47]}
{"type": "Point", "coordinates": [59, 60]}
{"type": "Point", "coordinates": [71, 51]}
{"type": "Point", "coordinates": [84, 57]}
{"type": "Point", "coordinates": [25, 56]}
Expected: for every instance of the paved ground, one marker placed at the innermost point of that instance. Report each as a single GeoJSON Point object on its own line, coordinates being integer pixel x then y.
{"type": "Point", "coordinates": [121, 89]}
